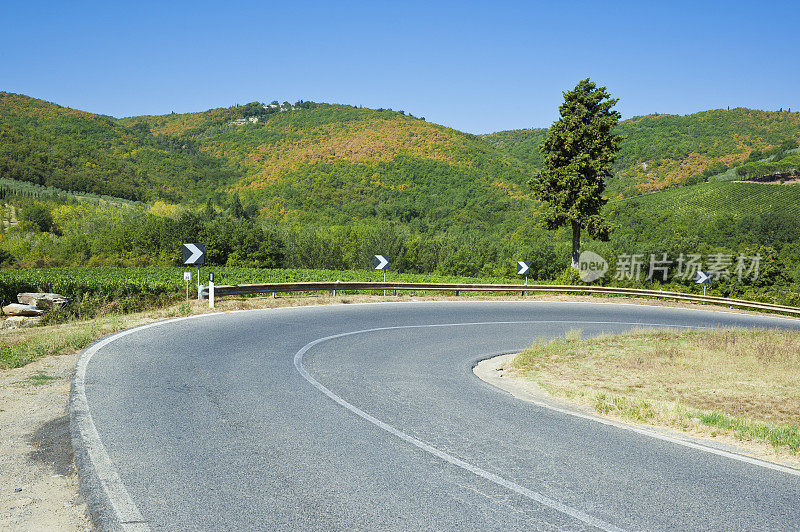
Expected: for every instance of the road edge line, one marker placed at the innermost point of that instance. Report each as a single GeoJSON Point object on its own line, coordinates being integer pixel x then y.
{"type": "Point", "coordinates": [110, 505]}
{"type": "Point", "coordinates": [535, 496]}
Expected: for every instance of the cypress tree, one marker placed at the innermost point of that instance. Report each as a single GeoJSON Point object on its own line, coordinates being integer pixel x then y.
{"type": "Point", "coordinates": [579, 149]}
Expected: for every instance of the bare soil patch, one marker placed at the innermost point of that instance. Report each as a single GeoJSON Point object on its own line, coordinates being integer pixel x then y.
{"type": "Point", "coordinates": [38, 481]}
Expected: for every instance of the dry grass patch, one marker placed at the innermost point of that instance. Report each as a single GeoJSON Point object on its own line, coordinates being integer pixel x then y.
{"type": "Point", "coordinates": [741, 383]}
{"type": "Point", "coordinates": [19, 347]}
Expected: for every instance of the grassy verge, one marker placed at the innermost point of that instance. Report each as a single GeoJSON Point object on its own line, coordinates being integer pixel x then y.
{"type": "Point", "coordinates": [19, 347]}
{"type": "Point", "coordinates": [737, 383]}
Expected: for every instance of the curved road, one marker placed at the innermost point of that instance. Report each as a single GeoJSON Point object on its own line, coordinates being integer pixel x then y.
{"type": "Point", "coordinates": [369, 417]}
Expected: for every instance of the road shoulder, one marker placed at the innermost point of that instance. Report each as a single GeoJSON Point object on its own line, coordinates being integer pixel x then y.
{"type": "Point", "coordinates": [37, 473]}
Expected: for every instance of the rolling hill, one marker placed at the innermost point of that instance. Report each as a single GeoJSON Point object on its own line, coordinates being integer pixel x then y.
{"type": "Point", "coordinates": [50, 145]}
{"type": "Point", "coordinates": [662, 151]}
{"type": "Point", "coordinates": [341, 163]}
{"type": "Point", "coordinates": [323, 164]}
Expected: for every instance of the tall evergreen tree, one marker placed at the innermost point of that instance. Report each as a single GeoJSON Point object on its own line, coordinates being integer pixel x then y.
{"type": "Point", "coordinates": [211, 212]}
{"type": "Point", "coordinates": [579, 150]}
{"type": "Point", "coordinates": [237, 211]}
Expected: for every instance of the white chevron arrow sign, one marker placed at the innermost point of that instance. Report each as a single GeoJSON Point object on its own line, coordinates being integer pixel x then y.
{"type": "Point", "coordinates": [523, 268]}
{"type": "Point", "coordinates": [381, 262]}
{"type": "Point", "coordinates": [194, 254]}
{"type": "Point", "coordinates": [702, 277]}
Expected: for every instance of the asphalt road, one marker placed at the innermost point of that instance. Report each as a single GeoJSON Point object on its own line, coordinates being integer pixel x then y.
{"type": "Point", "coordinates": [234, 422]}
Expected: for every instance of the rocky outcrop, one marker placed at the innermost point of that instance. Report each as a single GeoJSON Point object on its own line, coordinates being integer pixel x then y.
{"type": "Point", "coordinates": [30, 309]}
{"type": "Point", "coordinates": [41, 299]}
{"type": "Point", "coordinates": [18, 309]}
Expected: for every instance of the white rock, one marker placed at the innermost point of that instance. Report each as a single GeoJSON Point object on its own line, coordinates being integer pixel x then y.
{"type": "Point", "coordinates": [15, 322]}
{"type": "Point", "coordinates": [18, 309]}
{"type": "Point", "coordinates": [47, 299]}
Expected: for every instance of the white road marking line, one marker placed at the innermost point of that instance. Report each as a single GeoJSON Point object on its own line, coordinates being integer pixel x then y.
{"type": "Point", "coordinates": [492, 477]}
{"type": "Point", "coordinates": [126, 511]}
{"type": "Point", "coordinates": [538, 497]}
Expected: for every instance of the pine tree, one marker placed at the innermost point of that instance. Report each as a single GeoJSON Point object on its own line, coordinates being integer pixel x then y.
{"type": "Point", "coordinates": [237, 211]}
{"type": "Point", "coordinates": [579, 150]}
{"type": "Point", "coordinates": [211, 212]}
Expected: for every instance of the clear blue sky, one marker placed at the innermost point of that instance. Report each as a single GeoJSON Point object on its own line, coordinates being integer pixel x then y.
{"type": "Point", "coordinates": [474, 66]}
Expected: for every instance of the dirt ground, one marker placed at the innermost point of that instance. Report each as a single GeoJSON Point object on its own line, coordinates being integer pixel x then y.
{"type": "Point", "coordinates": [38, 481]}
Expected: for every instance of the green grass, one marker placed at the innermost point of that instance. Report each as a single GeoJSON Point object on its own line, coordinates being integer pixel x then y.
{"type": "Point", "coordinates": [776, 435]}
{"type": "Point", "coordinates": [43, 342]}
{"type": "Point", "coordinates": [39, 379]}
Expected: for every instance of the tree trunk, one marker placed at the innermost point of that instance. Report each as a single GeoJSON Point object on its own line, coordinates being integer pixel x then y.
{"type": "Point", "coordinates": [576, 245]}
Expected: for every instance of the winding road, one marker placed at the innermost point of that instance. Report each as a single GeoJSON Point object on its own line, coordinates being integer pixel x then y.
{"type": "Point", "coordinates": [370, 417]}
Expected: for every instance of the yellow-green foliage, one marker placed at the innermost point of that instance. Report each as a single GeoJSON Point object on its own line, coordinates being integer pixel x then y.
{"type": "Point", "coordinates": [659, 150]}
{"type": "Point", "coordinates": [55, 146]}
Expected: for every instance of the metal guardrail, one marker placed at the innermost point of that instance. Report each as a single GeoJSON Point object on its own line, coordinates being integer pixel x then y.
{"type": "Point", "coordinates": [242, 289]}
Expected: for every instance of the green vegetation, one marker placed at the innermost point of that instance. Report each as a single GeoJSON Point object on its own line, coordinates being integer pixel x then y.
{"type": "Point", "coordinates": [49, 145]}
{"type": "Point", "coordinates": [39, 378]}
{"type": "Point", "coordinates": [39, 342]}
{"type": "Point", "coordinates": [735, 382]}
{"type": "Point", "coordinates": [107, 290]}
{"type": "Point", "coordinates": [777, 168]}
{"type": "Point", "coordinates": [317, 186]}
{"type": "Point", "coordinates": [710, 218]}
{"type": "Point", "coordinates": [339, 165]}
{"type": "Point", "coordinates": [661, 151]}
{"type": "Point", "coordinates": [579, 150]}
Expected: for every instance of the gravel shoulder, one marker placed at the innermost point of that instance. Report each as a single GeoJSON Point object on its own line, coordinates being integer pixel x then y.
{"type": "Point", "coordinates": [38, 481]}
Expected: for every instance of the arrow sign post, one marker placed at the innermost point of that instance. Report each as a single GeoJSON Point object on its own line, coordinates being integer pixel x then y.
{"type": "Point", "coordinates": [522, 269]}
{"type": "Point", "coordinates": [195, 254]}
{"type": "Point", "coordinates": [703, 278]}
{"type": "Point", "coordinates": [381, 263]}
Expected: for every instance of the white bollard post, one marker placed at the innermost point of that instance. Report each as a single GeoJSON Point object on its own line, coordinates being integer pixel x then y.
{"type": "Point", "coordinates": [210, 289]}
